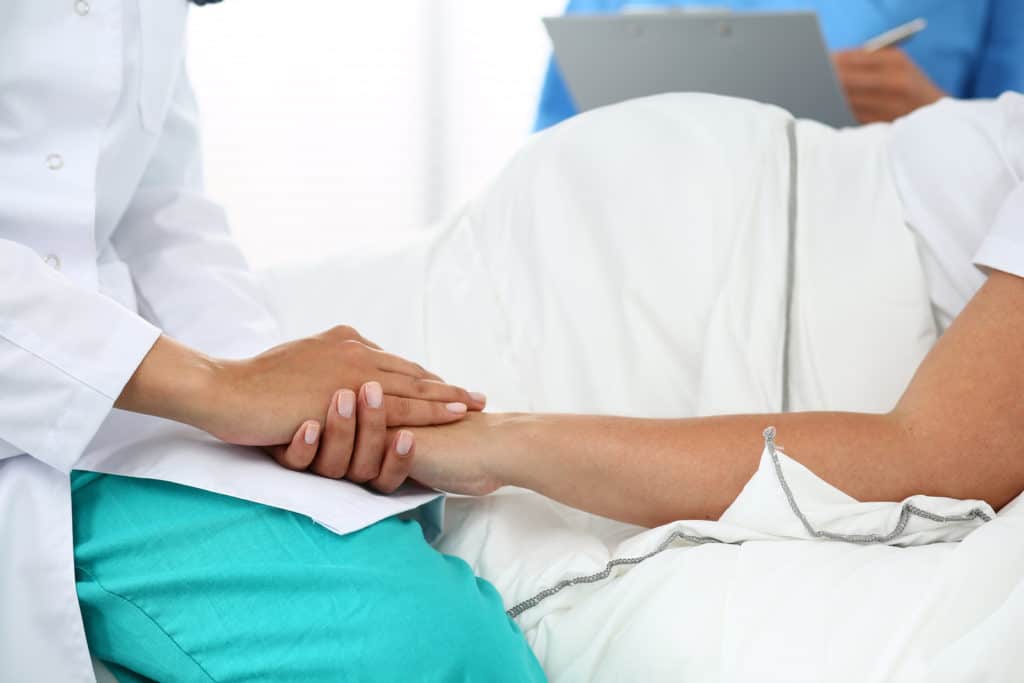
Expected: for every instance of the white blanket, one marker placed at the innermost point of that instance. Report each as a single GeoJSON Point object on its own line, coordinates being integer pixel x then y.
{"type": "Point", "coordinates": [688, 255]}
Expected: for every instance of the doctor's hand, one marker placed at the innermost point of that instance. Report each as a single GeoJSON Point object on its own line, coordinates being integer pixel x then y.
{"type": "Point", "coordinates": [884, 85]}
{"type": "Point", "coordinates": [263, 400]}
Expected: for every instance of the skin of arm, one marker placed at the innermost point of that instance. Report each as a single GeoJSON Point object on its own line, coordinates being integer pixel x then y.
{"type": "Point", "coordinates": [278, 399]}
{"type": "Point", "coordinates": [957, 431]}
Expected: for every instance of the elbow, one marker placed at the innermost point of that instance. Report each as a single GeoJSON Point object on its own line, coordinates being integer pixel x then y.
{"type": "Point", "coordinates": [956, 455]}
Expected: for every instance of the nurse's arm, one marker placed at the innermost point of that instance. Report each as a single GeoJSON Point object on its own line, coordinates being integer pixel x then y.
{"type": "Point", "coordinates": [958, 431]}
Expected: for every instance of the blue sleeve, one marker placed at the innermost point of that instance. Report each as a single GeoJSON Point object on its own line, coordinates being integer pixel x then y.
{"type": "Point", "coordinates": [556, 104]}
{"type": "Point", "coordinates": [1001, 65]}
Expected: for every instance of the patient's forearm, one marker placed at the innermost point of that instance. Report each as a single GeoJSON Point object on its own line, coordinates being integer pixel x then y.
{"type": "Point", "coordinates": [653, 471]}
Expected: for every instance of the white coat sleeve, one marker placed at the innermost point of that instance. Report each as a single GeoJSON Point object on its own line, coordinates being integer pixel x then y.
{"type": "Point", "coordinates": [189, 274]}
{"type": "Point", "coordinates": [66, 353]}
{"type": "Point", "coordinates": [1003, 248]}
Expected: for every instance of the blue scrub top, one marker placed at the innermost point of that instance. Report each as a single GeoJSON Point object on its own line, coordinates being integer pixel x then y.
{"type": "Point", "coordinates": [971, 48]}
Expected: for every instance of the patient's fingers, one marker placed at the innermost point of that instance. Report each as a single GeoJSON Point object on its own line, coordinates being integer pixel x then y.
{"type": "Point", "coordinates": [298, 454]}
{"type": "Point", "coordinates": [397, 463]}
{"type": "Point", "coordinates": [332, 460]}
{"type": "Point", "coordinates": [371, 434]}
{"type": "Point", "coordinates": [431, 390]}
{"type": "Point", "coordinates": [412, 412]}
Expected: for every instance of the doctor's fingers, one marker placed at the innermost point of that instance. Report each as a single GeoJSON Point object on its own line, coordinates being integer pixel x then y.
{"type": "Point", "coordinates": [349, 333]}
{"type": "Point", "coordinates": [335, 453]}
{"type": "Point", "coordinates": [371, 435]}
{"type": "Point", "coordinates": [412, 412]}
{"type": "Point", "coordinates": [430, 390]}
{"type": "Point", "coordinates": [397, 463]}
{"type": "Point", "coordinates": [392, 363]}
{"type": "Point", "coordinates": [298, 454]}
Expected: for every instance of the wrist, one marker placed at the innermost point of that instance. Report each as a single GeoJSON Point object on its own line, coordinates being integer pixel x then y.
{"type": "Point", "coordinates": [177, 383]}
{"type": "Point", "coordinates": [204, 397]}
{"type": "Point", "coordinates": [512, 461]}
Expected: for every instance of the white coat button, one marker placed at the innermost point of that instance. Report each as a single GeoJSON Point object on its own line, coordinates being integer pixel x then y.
{"type": "Point", "coordinates": [53, 261]}
{"type": "Point", "coordinates": [55, 162]}
{"type": "Point", "coordinates": [81, 8]}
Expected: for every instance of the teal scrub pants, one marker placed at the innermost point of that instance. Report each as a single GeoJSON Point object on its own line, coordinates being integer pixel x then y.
{"type": "Point", "coordinates": [179, 584]}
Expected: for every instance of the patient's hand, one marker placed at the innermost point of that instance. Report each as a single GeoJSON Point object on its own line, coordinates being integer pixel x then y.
{"type": "Point", "coordinates": [469, 457]}
{"type": "Point", "coordinates": [884, 85]}
{"type": "Point", "coordinates": [367, 455]}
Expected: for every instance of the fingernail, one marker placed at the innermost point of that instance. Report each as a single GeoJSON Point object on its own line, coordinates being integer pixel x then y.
{"type": "Point", "coordinates": [478, 397]}
{"type": "Point", "coordinates": [312, 432]}
{"type": "Point", "coordinates": [374, 395]}
{"type": "Point", "coordinates": [457, 408]}
{"type": "Point", "coordinates": [346, 403]}
{"type": "Point", "coordinates": [404, 443]}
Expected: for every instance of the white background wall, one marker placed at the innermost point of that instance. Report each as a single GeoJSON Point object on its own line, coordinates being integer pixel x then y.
{"type": "Point", "coordinates": [324, 119]}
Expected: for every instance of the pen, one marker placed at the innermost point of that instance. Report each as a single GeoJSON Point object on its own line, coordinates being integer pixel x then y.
{"type": "Point", "coordinates": [896, 35]}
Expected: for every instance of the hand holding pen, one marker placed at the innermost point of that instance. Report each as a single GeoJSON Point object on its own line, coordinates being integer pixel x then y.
{"type": "Point", "coordinates": [881, 81]}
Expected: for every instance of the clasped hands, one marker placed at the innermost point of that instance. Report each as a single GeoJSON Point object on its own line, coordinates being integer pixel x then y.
{"type": "Point", "coordinates": [334, 405]}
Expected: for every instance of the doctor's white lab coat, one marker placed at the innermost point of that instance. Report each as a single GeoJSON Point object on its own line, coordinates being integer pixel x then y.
{"type": "Point", "coordinates": [105, 241]}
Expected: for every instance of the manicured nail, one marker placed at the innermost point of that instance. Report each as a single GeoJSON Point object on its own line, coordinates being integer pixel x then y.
{"type": "Point", "coordinates": [346, 403]}
{"type": "Point", "coordinates": [478, 397]}
{"type": "Point", "coordinates": [374, 395]}
{"type": "Point", "coordinates": [404, 443]}
{"type": "Point", "coordinates": [457, 408]}
{"type": "Point", "coordinates": [312, 432]}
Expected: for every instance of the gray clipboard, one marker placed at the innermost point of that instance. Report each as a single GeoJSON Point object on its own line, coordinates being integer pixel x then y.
{"type": "Point", "coordinates": [774, 57]}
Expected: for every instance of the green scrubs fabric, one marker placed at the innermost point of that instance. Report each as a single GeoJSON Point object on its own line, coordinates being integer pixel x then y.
{"type": "Point", "coordinates": [178, 584]}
